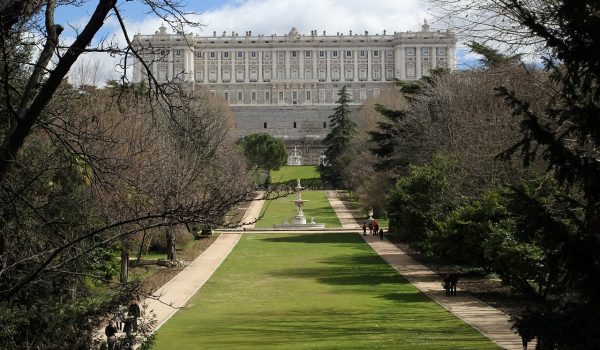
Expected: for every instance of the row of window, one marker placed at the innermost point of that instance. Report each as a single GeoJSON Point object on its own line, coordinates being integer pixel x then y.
{"type": "Point", "coordinates": [294, 54]}
{"type": "Point", "coordinates": [294, 97]}
{"type": "Point", "coordinates": [409, 51]}
{"type": "Point", "coordinates": [295, 125]}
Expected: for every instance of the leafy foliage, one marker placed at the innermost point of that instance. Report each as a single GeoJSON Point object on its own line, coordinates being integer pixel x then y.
{"type": "Point", "coordinates": [426, 194]}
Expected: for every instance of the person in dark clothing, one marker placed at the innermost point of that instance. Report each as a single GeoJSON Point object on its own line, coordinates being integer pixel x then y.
{"type": "Point", "coordinates": [453, 283]}
{"type": "Point", "coordinates": [446, 284]}
{"type": "Point", "coordinates": [364, 228]}
{"type": "Point", "coordinates": [134, 313]}
{"type": "Point", "coordinates": [111, 335]}
{"type": "Point", "coordinates": [381, 234]}
{"type": "Point", "coordinates": [375, 228]}
{"type": "Point", "coordinates": [370, 228]}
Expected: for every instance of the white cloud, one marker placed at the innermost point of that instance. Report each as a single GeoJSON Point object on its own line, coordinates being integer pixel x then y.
{"type": "Point", "coordinates": [278, 16]}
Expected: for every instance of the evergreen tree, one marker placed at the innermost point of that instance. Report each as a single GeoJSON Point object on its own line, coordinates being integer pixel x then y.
{"type": "Point", "coordinates": [567, 136]}
{"type": "Point", "coordinates": [338, 140]}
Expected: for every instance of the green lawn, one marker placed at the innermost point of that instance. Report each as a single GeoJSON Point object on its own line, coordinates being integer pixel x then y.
{"type": "Point", "coordinates": [276, 211]}
{"type": "Point", "coordinates": [317, 291]}
{"type": "Point", "coordinates": [307, 174]}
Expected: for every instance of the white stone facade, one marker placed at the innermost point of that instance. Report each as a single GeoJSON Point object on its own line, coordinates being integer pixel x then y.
{"type": "Point", "coordinates": [285, 77]}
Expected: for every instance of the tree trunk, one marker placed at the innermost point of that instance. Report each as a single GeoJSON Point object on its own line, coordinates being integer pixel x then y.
{"type": "Point", "coordinates": [171, 253]}
{"type": "Point", "coordinates": [124, 274]}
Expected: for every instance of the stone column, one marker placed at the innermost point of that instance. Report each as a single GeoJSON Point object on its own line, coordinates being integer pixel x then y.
{"type": "Point", "coordinates": [301, 65]}
{"type": "Point", "coordinates": [382, 55]}
{"type": "Point", "coordinates": [287, 64]}
{"type": "Point", "coordinates": [369, 65]}
{"type": "Point", "coordinates": [402, 62]}
{"type": "Point", "coordinates": [315, 74]}
{"type": "Point", "coordinates": [205, 78]}
{"type": "Point", "coordinates": [260, 68]}
{"type": "Point", "coordinates": [170, 65]}
{"type": "Point", "coordinates": [418, 67]}
{"type": "Point", "coordinates": [342, 71]}
{"type": "Point", "coordinates": [246, 66]}
{"type": "Point", "coordinates": [233, 74]}
{"type": "Point", "coordinates": [274, 65]}
{"type": "Point", "coordinates": [433, 58]}
{"type": "Point", "coordinates": [355, 75]}
{"type": "Point", "coordinates": [328, 72]}
{"type": "Point", "coordinates": [219, 80]}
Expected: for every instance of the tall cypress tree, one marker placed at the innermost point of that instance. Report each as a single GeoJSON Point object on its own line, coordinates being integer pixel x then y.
{"type": "Point", "coordinates": [338, 140]}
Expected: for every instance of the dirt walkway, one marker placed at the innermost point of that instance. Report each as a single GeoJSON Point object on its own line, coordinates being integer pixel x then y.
{"type": "Point", "coordinates": [345, 215]}
{"type": "Point", "coordinates": [253, 212]}
{"type": "Point", "coordinates": [491, 322]}
{"type": "Point", "coordinates": [176, 293]}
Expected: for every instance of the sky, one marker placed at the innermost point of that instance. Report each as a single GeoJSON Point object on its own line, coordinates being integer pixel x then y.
{"type": "Point", "coordinates": [260, 16]}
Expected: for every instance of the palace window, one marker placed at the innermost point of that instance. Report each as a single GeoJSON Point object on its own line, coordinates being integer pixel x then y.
{"type": "Point", "coordinates": [264, 125]}
{"type": "Point", "coordinates": [425, 51]}
{"type": "Point", "coordinates": [240, 54]}
{"type": "Point", "coordinates": [213, 54]}
{"type": "Point", "coordinates": [348, 53]}
{"type": "Point", "coordinates": [280, 54]}
{"type": "Point", "coordinates": [294, 125]}
{"type": "Point", "coordinates": [240, 96]}
{"type": "Point", "coordinates": [362, 53]}
{"type": "Point", "coordinates": [226, 96]}
{"type": "Point", "coordinates": [225, 54]}
{"type": "Point", "coordinates": [334, 54]}
{"type": "Point", "coordinates": [199, 54]}
{"type": "Point", "coordinates": [253, 96]}
{"type": "Point", "coordinates": [294, 54]}
{"type": "Point", "coordinates": [441, 51]}
{"type": "Point", "coordinates": [322, 54]}
{"type": "Point", "coordinates": [307, 54]}
{"type": "Point", "coordinates": [253, 54]}
{"type": "Point", "coordinates": [267, 55]}
{"type": "Point", "coordinates": [308, 95]}
{"type": "Point", "coordinates": [410, 51]}
{"type": "Point", "coordinates": [280, 95]}
{"type": "Point", "coordinates": [267, 96]}
{"type": "Point", "coordinates": [324, 125]}
{"type": "Point", "coordinates": [375, 53]}
{"type": "Point", "coordinates": [177, 53]}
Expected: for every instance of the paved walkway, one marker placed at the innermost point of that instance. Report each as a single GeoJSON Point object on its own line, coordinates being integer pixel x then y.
{"type": "Point", "coordinates": [489, 321]}
{"type": "Point", "coordinates": [253, 211]}
{"type": "Point", "coordinates": [176, 293]}
{"type": "Point", "coordinates": [341, 211]}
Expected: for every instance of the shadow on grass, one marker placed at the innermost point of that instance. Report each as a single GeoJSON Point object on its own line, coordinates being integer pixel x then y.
{"type": "Point", "coordinates": [321, 237]}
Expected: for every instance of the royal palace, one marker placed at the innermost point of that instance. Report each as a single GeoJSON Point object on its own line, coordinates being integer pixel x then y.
{"type": "Point", "coordinates": [287, 85]}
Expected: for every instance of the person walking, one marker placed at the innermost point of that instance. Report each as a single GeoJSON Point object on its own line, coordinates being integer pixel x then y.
{"type": "Point", "coordinates": [446, 284]}
{"type": "Point", "coordinates": [111, 334]}
{"type": "Point", "coordinates": [381, 234]}
{"type": "Point", "coordinates": [364, 228]}
{"type": "Point", "coordinates": [453, 283]}
{"type": "Point", "coordinates": [134, 313]}
{"type": "Point", "coordinates": [375, 228]}
{"type": "Point", "coordinates": [370, 228]}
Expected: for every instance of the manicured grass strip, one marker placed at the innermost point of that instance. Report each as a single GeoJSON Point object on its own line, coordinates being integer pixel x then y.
{"type": "Point", "coordinates": [317, 206]}
{"type": "Point", "coordinates": [302, 172]}
{"type": "Point", "coordinates": [313, 291]}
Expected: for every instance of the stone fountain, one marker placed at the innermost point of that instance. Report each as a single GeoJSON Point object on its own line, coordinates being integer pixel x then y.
{"type": "Point", "coordinates": [299, 220]}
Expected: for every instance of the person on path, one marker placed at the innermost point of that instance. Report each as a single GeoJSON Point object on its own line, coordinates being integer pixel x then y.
{"type": "Point", "coordinates": [364, 228]}
{"type": "Point", "coordinates": [120, 318]}
{"type": "Point", "coordinates": [453, 283]}
{"type": "Point", "coordinates": [370, 228]}
{"type": "Point", "coordinates": [446, 284]}
{"type": "Point", "coordinates": [111, 334]}
{"type": "Point", "coordinates": [135, 313]}
{"type": "Point", "coordinates": [381, 234]}
{"type": "Point", "coordinates": [375, 228]}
